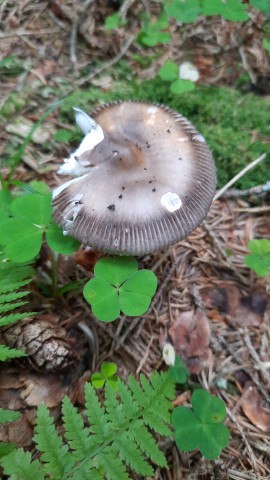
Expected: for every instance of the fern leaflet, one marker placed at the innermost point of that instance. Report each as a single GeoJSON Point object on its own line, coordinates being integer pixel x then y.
{"type": "Point", "coordinates": [19, 466]}
{"type": "Point", "coordinates": [54, 453]}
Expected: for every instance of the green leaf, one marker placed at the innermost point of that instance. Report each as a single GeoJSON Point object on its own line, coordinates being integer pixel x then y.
{"type": "Point", "coordinates": [136, 293]}
{"type": "Point", "coordinates": [8, 415]}
{"type": "Point", "coordinates": [98, 380]}
{"type": "Point", "coordinates": [39, 187]}
{"type": "Point", "coordinates": [259, 259]}
{"type": "Point", "coordinates": [179, 371]}
{"type": "Point", "coordinates": [181, 86]}
{"type": "Point", "coordinates": [34, 207]}
{"type": "Point", "coordinates": [262, 5]}
{"type": "Point", "coordinates": [18, 466]}
{"type": "Point", "coordinates": [266, 44]}
{"type": "Point", "coordinates": [207, 408]}
{"type": "Point", "coordinates": [169, 71]}
{"type": "Point", "coordinates": [103, 299]}
{"type": "Point", "coordinates": [114, 21]}
{"type": "Point", "coordinates": [184, 11]}
{"type": "Point", "coordinates": [61, 243]}
{"type": "Point", "coordinates": [233, 10]}
{"type": "Point", "coordinates": [6, 448]}
{"type": "Point", "coordinates": [6, 352]}
{"type": "Point", "coordinates": [201, 427]}
{"type": "Point", "coordinates": [116, 269]}
{"type": "Point", "coordinates": [108, 369]}
{"type": "Point", "coordinates": [22, 240]}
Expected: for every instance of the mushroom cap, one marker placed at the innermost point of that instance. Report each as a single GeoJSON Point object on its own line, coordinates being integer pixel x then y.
{"type": "Point", "coordinates": [147, 184]}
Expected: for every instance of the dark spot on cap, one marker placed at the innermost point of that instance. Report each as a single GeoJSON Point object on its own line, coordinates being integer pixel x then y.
{"type": "Point", "coordinates": [111, 207]}
{"type": "Point", "coordinates": [150, 181]}
{"type": "Point", "coordinates": [123, 188]}
{"type": "Point", "coordinates": [169, 131]}
{"type": "Point", "coordinates": [145, 168]}
{"type": "Point", "coordinates": [120, 196]}
{"type": "Point", "coordinates": [153, 189]}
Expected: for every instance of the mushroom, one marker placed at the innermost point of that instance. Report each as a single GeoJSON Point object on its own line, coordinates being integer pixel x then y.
{"type": "Point", "coordinates": [146, 179]}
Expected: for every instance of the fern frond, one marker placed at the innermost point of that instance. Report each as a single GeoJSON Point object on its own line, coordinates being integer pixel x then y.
{"type": "Point", "coordinates": [19, 466]}
{"type": "Point", "coordinates": [130, 454]}
{"type": "Point", "coordinates": [75, 433]}
{"type": "Point", "coordinates": [147, 443]}
{"type": "Point", "coordinates": [54, 453]}
{"type": "Point", "coordinates": [7, 307]}
{"type": "Point", "coordinates": [11, 297]}
{"type": "Point", "coordinates": [117, 439]}
{"type": "Point", "coordinates": [6, 448]}
{"type": "Point", "coordinates": [96, 415]}
{"type": "Point", "coordinates": [10, 287]}
{"type": "Point", "coordinates": [14, 317]}
{"type": "Point", "coordinates": [8, 416]}
{"type": "Point", "coordinates": [7, 353]}
{"type": "Point", "coordinates": [112, 465]}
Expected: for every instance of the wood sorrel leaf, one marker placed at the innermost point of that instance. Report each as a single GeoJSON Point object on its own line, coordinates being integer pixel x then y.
{"type": "Point", "coordinates": [116, 269]}
{"type": "Point", "coordinates": [22, 240]}
{"type": "Point", "coordinates": [33, 207]}
{"type": "Point", "coordinates": [169, 71]}
{"type": "Point", "coordinates": [103, 299]}
{"type": "Point", "coordinates": [136, 293]}
{"type": "Point", "coordinates": [201, 427]}
{"type": "Point", "coordinates": [59, 242]}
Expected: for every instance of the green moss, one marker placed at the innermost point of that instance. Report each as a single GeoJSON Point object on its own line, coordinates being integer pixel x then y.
{"type": "Point", "coordinates": [229, 120]}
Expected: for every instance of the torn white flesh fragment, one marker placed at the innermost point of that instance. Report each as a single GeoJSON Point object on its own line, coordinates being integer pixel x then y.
{"type": "Point", "coordinates": [71, 212]}
{"type": "Point", "coordinates": [84, 122]}
{"type": "Point", "coordinates": [62, 187]}
{"type": "Point", "coordinates": [188, 71]}
{"type": "Point", "coordinates": [199, 138]}
{"type": "Point", "coordinates": [94, 135]}
{"type": "Point", "coordinates": [168, 354]}
{"type": "Point", "coordinates": [171, 201]}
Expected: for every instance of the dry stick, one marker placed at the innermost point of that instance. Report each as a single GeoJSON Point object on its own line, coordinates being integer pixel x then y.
{"type": "Point", "coordinates": [108, 64]}
{"type": "Point", "coordinates": [245, 440]}
{"type": "Point", "coordinates": [239, 175]}
{"type": "Point", "coordinates": [37, 33]}
{"type": "Point", "coordinates": [117, 342]}
{"type": "Point", "coordinates": [259, 365]}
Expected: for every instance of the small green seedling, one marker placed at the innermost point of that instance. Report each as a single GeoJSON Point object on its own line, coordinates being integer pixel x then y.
{"type": "Point", "coordinates": [259, 258]}
{"type": "Point", "coordinates": [179, 371]}
{"type": "Point", "coordinates": [27, 218]}
{"type": "Point", "coordinates": [119, 286]}
{"type": "Point", "coordinates": [263, 5]}
{"type": "Point", "coordinates": [266, 45]}
{"type": "Point", "coordinates": [202, 426]}
{"type": "Point", "coordinates": [114, 21]}
{"type": "Point", "coordinates": [170, 73]}
{"type": "Point", "coordinates": [107, 374]}
{"type": "Point", "coordinates": [154, 33]}
{"type": "Point", "coordinates": [184, 11]}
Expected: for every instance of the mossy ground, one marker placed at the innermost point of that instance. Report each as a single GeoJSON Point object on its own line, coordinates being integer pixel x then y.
{"type": "Point", "coordinates": [235, 125]}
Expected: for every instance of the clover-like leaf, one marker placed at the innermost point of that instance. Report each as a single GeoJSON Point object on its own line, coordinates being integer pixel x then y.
{"type": "Point", "coordinates": [263, 5]}
{"type": "Point", "coordinates": [107, 374]}
{"type": "Point", "coordinates": [259, 259]}
{"type": "Point", "coordinates": [116, 269]}
{"type": "Point", "coordinates": [169, 71]}
{"type": "Point", "coordinates": [233, 10]}
{"type": "Point", "coordinates": [185, 11]}
{"type": "Point", "coordinates": [118, 285]}
{"type": "Point", "coordinates": [201, 427]}
{"type": "Point", "coordinates": [59, 242]}
{"type": "Point", "coordinates": [103, 299]}
{"type": "Point", "coordinates": [21, 239]}
{"type": "Point", "coordinates": [136, 293]}
{"type": "Point", "coordinates": [34, 207]}
{"type": "Point", "coordinates": [181, 86]}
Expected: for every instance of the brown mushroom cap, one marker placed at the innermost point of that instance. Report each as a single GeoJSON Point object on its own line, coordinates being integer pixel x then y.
{"type": "Point", "coordinates": [151, 181]}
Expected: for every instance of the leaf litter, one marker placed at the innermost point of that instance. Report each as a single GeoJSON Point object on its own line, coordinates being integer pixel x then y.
{"type": "Point", "coordinates": [202, 280]}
